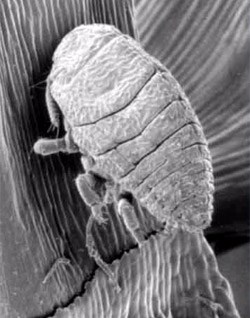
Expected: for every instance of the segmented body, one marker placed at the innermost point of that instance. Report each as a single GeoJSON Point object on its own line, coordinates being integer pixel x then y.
{"type": "Point", "coordinates": [127, 111]}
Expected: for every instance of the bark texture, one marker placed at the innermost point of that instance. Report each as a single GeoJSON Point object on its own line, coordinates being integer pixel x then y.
{"type": "Point", "coordinates": [179, 277]}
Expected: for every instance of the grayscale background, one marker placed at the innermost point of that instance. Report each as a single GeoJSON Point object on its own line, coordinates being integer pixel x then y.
{"type": "Point", "coordinates": [206, 45]}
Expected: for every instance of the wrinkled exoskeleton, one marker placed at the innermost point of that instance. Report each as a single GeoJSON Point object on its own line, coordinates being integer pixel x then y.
{"type": "Point", "coordinates": [132, 123]}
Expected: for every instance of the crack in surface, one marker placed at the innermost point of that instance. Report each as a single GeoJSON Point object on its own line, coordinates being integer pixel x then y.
{"type": "Point", "coordinates": [71, 301]}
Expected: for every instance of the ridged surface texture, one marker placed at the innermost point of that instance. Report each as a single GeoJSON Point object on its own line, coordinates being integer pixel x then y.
{"type": "Point", "coordinates": [128, 112]}
{"type": "Point", "coordinates": [179, 277]}
{"type": "Point", "coordinates": [99, 87]}
{"type": "Point", "coordinates": [205, 44]}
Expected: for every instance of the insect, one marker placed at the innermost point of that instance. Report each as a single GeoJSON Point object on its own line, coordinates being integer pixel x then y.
{"type": "Point", "coordinates": [134, 127]}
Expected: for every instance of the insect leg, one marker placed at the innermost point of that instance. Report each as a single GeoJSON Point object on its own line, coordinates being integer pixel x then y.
{"type": "Point", "coordinates": [85, 185]}
{"type": "Point", "coordinates": [127, 212]}
{"type": "Point", "coordinates": [56, 264]}
{"type": "Point", "coordinates": [95, 254]}
{"type": "Point", "coordinates": [45, 146]}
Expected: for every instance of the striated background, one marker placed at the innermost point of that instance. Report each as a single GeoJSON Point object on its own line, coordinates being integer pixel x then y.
{"type": "Point", "coordinates": [206, 46]}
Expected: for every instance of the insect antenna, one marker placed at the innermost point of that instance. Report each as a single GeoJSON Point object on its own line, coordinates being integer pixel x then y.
{"type": "Point", "coordinates": [52, 128]}
{"type": "Point", "coordinates": [36, 85]}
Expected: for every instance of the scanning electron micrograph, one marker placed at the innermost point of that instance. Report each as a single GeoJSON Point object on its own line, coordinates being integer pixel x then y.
{"type": "Point", "coordinates": [124, 173]}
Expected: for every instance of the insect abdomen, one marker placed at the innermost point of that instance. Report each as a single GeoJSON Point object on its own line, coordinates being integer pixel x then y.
{"type": "Point", "coordinates": [163, 160]}
{"type": "Point", "coordinates": [173, 175]}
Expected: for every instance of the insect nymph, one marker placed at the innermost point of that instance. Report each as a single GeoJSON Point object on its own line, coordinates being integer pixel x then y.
{"type": "Point", "coordinates": [132, 123]}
